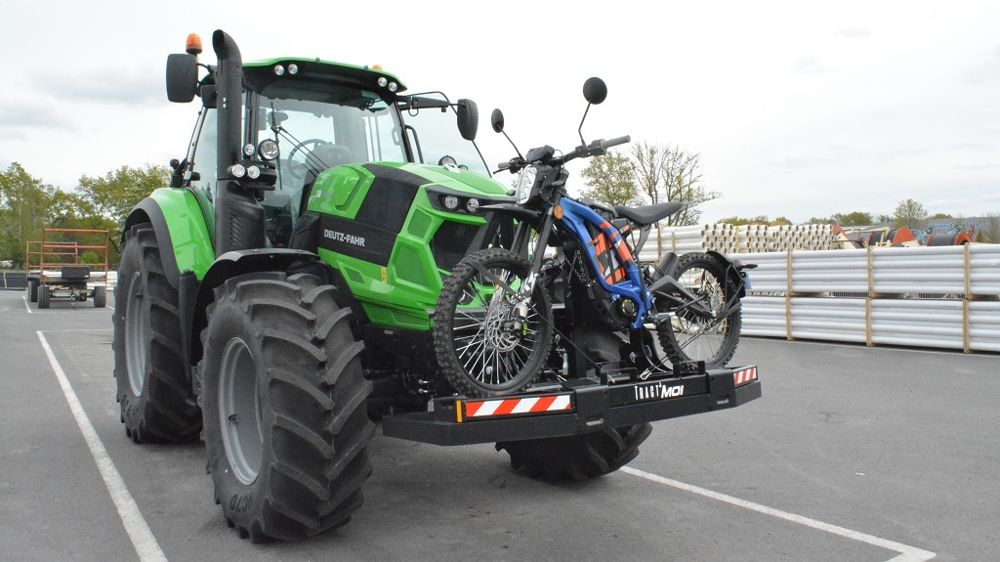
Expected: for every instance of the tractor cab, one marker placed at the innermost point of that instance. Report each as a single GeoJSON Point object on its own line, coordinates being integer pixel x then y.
{"type": "Point", "coordinates": [302, 117]}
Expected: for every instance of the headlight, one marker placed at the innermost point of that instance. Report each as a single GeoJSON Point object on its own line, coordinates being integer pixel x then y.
{"type": "Point", "coordinates": [268, 149]}
{"type": "Point", "coordinates": [524, 184]}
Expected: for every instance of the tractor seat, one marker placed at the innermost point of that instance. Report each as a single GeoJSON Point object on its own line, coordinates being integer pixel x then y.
{"type": "Point", "coordinates": [649, 214]}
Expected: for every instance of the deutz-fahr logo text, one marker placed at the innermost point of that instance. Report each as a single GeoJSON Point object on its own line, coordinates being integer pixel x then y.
{"type": "Point", "coordinates": [658, 391]}
{"type": "Point", "coordinates": [337, 236]}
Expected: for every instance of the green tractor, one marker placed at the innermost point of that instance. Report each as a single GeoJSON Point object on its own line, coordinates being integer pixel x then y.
{"type": "Point", "coordinates": [280, 295]}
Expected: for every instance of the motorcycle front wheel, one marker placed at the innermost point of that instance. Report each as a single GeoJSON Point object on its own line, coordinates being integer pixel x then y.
{"type": "Point", "coordinates": [488, 339]}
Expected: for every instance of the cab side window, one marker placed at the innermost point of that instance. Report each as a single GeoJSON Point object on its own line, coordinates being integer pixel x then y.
{"type": "Point", "coordinates": [205, 156]}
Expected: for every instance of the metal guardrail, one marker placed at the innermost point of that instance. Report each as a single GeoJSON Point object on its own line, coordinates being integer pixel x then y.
{"type": "Point", "coordinates": [944, 297]}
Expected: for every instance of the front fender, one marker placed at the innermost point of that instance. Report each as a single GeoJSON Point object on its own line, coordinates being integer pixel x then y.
{"type": "Point", "coordinates": [181, 231]}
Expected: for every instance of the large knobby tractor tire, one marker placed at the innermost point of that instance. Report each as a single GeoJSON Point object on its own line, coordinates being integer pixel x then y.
{"type": "Point", "coordinates": [577, 457]}
{"type": "Point", "coordinates": [285, 403]}
{"type": "Point", "coordinates": [154, 393]}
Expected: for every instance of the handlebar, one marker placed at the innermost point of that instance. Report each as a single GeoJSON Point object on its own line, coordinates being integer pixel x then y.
{"type": "Point", "coordinates": [596, 148]}
{"type": "Point", "coordinates": [606, 144]}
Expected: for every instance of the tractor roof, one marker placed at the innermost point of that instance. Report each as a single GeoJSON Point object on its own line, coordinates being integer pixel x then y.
{"type": "Point", "coordinates": [364, 76]}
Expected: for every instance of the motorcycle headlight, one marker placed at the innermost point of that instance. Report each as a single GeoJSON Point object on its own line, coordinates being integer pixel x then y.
{"type": "Point", "coordinates": [524, 184]}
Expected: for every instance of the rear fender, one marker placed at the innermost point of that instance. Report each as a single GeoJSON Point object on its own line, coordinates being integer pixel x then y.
{"type": "Point", "coordinates": [733, 269]}
{"type": "Point", "coordinates": [181, 231]}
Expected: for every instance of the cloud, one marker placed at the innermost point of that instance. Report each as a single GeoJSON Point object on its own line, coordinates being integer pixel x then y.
{"type": "Point", "coordinates": [979, 166]}
{"type": "Point", "coordinates": [838, 154]}
{"type": "Point", "coordinates": [30, 115]}
{"type": "Point", "coordinates": [854, 32]}
{"type": "Point", "coordinates": [108, 86]}
{"type": "Point", "coordinates": [984, 70]}
{"type": "Point", "coordinates": [809, 65]}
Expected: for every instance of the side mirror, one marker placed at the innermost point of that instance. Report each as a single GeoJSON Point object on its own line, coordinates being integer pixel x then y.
{"type": "Point", "coordinates": [182, 77]}
{"type": "Point", "coordinates": [468, 119]}
{"type": "Point", "coordinates": [595, 90]}
{"type": "Point", "coordinates": [496, 120]}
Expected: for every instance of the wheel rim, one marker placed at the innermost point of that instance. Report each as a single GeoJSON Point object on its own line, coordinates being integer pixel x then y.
{"type": "Point", "coordinates": [136, 331]}
{"type": "Point", "coordinates": [239, 411]}
{"type": "Point", "coordinates": [493, 343]}
{"type": "Point", "coordinates": [697, 337]}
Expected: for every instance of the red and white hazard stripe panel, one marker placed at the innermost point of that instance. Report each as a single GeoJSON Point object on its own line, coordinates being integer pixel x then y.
{"type": "Point", "coordinates": [744, 376]}
{"type": "Point", "coordinates": [550, 404]}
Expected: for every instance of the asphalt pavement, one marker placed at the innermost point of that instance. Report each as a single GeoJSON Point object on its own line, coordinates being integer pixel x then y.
{"type": "Point", "coordinates": [851, 454]}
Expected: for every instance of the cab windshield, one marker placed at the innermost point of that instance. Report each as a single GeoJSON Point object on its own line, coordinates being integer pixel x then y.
{"type": "Point", "coordinates": [317, 130]}
{"type": "Point", "coordinates": [431, 126]}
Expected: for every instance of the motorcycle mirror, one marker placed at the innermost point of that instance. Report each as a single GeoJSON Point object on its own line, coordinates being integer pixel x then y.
{"type": "Point", "coordinates": [595, 90]}
{"type": "Point", "coordinates": [496, 120]}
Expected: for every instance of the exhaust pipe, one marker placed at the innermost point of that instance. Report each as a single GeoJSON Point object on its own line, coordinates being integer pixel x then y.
{"type": "Point", "coordinates": [239, 217]}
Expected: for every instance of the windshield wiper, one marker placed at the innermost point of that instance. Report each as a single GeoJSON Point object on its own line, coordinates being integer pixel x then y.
{"type": "Point", "coordinates": [313, 162]}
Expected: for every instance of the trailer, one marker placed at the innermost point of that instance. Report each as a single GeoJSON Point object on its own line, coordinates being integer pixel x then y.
{"type": "Point", "coordinates": [70, 264]}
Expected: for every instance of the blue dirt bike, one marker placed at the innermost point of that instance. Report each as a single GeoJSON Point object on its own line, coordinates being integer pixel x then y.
{"type": "Point", "coordinates": [564, 297]}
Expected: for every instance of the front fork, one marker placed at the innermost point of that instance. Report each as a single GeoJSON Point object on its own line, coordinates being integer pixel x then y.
{"type": "Point", "coordinates": [521, 239]}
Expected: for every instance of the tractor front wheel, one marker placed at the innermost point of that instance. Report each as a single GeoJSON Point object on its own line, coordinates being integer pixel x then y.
{"type": "Point", "coordinates": [285, 403]}
{"type": "Point", "coordinates": [577, 457]}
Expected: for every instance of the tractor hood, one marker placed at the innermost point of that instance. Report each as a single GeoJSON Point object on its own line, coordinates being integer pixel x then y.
{"type": "Point", "coordinates": [395, 185]}
{"type": "Point", "coordinates": [458, 179]}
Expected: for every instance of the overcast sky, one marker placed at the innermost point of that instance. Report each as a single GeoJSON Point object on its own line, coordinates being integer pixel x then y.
{"type": "Point", "coordinates": [797, 108]}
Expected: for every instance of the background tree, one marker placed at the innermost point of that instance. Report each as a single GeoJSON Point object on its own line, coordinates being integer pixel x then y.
{"type": "Point", "coordinates": [854, 218]}
{"type": "Point", "coordinates": [940, 216]}
{"type": "Point", "coordinates": [610, 180]}
{"type": "Point", "coordinates": [821, 220]}
{"type": "Point", "coordinates": [909, 213]}
{"type": "Point", "coordinates": [113, 195]}
{"type": "Point", "coordinates": [989, 229]}
{"type": "Point", "coordinates": [651, 174]}
{"type": "Point", "coordinates": [27, 205]}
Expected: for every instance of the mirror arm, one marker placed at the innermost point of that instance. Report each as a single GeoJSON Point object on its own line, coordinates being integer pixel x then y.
{"type": "Point", "coordinates": [579, 129]}
{"type": "Point", "coordinates": [504, 133]}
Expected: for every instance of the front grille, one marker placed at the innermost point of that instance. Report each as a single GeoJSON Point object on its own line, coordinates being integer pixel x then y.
{"type": "Point", "coordinates": [452, 242]}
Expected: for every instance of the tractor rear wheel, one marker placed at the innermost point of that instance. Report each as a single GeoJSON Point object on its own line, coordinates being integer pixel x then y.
{"type": "Point", "coordinates": [577, 457]}
{"type": "Point", "coordinates": [154, 393]}
{"type": "Point", "coordinates": [285, 403]}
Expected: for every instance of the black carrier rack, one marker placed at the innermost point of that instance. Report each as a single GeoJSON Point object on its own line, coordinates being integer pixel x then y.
{"type": "Point", "coordinates": [574, 406]}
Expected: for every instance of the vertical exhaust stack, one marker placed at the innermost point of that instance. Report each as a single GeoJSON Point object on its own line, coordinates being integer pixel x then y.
{"type": "Point", "coordinates": [239, 217]}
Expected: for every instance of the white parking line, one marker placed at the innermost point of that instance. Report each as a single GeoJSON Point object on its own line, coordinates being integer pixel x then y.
{"type": "Point", "coordinates": [27, 305]}
{"type": "Point", "coordinates": [138, 531]}
{"type": "Point", "coordinates": [906, 553]}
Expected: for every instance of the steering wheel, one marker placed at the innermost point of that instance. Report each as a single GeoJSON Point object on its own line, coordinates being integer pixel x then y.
{"type": "Point", "coordinates": [305, 144]}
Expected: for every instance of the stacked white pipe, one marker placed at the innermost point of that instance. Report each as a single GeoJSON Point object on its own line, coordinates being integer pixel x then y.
{"type": "Point", "coordinates": [893, 312]}
{"type": "Point", "coordinates": [728, 239]}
